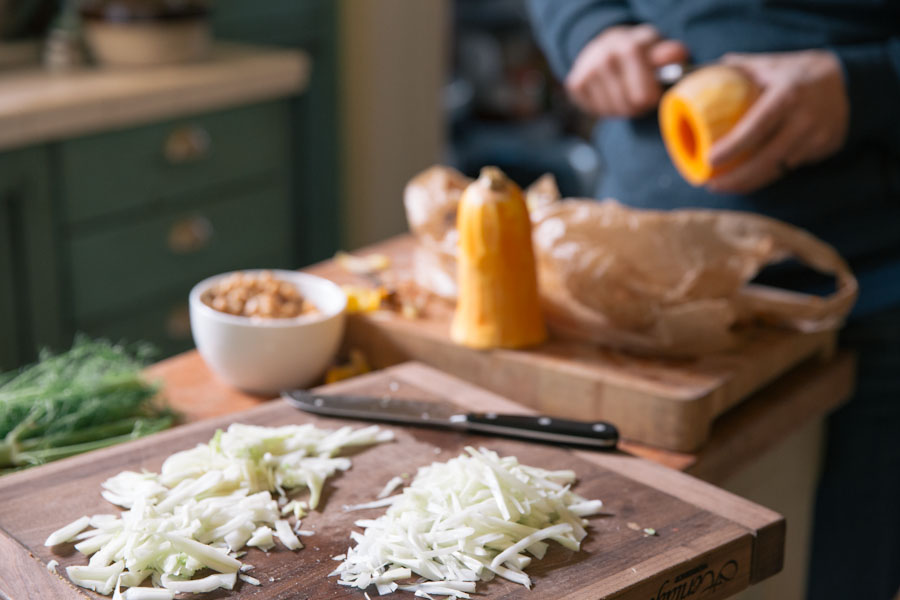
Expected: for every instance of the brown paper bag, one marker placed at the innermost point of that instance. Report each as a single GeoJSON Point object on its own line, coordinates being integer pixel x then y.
{"type": "Point", "coordinates": [671, 283]}
{"type": "Point", "coordinates": [675, 282]}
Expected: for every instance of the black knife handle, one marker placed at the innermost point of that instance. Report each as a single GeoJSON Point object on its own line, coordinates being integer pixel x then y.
{"type": "Point", "coordinates": [545, 429]}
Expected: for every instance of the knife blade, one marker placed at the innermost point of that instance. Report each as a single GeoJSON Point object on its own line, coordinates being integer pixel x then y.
{"type": "Point", "coordinates": [669, 74]}
{"type": "Point", "coordinates": [596, 434]}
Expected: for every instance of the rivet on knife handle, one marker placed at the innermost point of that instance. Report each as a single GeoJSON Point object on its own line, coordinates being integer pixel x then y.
{"type": "Point", "coordinates": [595, 434]}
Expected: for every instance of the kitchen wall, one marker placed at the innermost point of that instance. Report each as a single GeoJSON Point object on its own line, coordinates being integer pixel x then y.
{"type": "Point", "coordinates": [393, 65]}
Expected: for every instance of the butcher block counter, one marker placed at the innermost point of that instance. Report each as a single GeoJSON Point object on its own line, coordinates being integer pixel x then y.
{"type": "Point", "coordinates": [706, 539]}
{"type": "Point", "coordinates": [662, 534]}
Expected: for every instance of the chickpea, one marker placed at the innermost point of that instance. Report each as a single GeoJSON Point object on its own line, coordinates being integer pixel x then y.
{"type": "Point", "coordinates": [290, 308]}
{"type": "Point", "coordinates": [236, 297]}
{"type": "Point", "coordinates": [288, 291]}
{"type": "Point", "coordinates": [251, 307]}
{"type": "Point", "coordinates": [266, 305]}
{"type": "Point", "coordinates": [260, 295]}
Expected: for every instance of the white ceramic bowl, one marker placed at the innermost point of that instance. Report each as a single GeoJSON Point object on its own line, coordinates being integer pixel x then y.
{"type": "Point", "coordinates": [269, 355]}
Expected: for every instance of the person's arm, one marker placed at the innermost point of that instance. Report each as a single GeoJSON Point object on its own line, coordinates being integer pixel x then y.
{"type": "Point", "coordinates": [606, 60]}
{"type": "Point", "coordinates": [813, 104]}
{"type": "Point", "coordinates": [872, 77]}
{"type": "Point", "coordinates": [564, 28]}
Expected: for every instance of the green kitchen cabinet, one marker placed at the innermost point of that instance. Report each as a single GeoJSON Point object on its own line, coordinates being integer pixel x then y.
{"type": "Point", "coordinates": [30, 308]}
{"type": "Point", "coordinates": [311, 25]}
{"type": "Point", "coordinates": [151, 166]}
{"type": "Point", "coordinates": [139, 226]}
{"type": "Point", "coordinates": [105, 233]}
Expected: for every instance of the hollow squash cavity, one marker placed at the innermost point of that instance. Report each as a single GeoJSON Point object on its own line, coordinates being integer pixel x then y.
{"type": "Point", "coordinates": [697, 112]}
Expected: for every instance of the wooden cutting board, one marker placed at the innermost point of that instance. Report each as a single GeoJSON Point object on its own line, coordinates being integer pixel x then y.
{"type": "Point", "coordinates": [665, 403]}
{"type": "Point", "coordinates": [710, 544]}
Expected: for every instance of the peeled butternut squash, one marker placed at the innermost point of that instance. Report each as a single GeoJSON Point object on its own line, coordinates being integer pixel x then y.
{"type": "Point", "coordinates": [498, 305]}
{"type": "Point", "coordinates": [699, 110]}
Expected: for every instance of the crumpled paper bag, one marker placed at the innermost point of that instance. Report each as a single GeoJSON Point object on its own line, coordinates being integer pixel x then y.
{"type": "Point", "coordinates": [668, 283]}
{"type": "Point", "coordinates": [675, 282]}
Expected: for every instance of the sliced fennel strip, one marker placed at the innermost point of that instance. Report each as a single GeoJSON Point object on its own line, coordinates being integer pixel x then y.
{"type": "Point", "coordinates": [204, 506]}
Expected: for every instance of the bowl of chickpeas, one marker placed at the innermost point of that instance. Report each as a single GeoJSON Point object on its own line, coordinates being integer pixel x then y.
{"type": "Point", "coordinates": [264, 331]}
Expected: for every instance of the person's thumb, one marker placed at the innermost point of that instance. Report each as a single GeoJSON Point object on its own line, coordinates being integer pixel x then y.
{"type": "Point", "coordinates": [668, 51]}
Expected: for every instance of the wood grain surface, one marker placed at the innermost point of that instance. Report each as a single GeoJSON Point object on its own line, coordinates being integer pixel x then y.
{"type": "Point", "coordinates": [662, 402]}
{"type": "Point", "coordinates": [38, 105]}
{"type": "Point", "coordinates": [711, 544]}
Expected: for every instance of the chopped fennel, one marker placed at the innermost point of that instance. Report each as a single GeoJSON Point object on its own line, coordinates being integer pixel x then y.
{"type": "Point", "coordinates": [374, 504]}
{"type": "Point", "coordinates": [464, 521]}
{"type": "Point", "coordinates": [204, 506]}
{"type": "Point", "coordinates": [65, 534]}
{"type": "Point", "coordinates": [147, 593]}
{"type": "Point", "coordinates": [389, 487]}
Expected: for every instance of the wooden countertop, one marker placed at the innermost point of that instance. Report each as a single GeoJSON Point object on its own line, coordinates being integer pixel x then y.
{"type": "Point", "coordinates": [704, 536]}
{"type": "Point", "coordinates": [739, 437]}
{"type": "Point", "coordinates": [37, 105]}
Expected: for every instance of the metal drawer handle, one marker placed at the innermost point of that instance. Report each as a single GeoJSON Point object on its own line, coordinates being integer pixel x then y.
{"type": "Point", "coordinates": [187, 144]}
{"type": "Point", "coordinates": [190, 235]}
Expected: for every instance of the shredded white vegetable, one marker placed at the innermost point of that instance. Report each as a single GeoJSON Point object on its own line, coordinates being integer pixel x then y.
{"type": "Point", "coordinates": [148, 593]}
{"type": "Point", "coordinates": [464, 521]}
{"type": "Point", "coordinates": [203, 507]}
{"type": "Point", "coordinates": [67, 533]}
{"type": "Point", "coordinates": [389, 487]}
{"type": "Point", "coordinates": [374, 504]}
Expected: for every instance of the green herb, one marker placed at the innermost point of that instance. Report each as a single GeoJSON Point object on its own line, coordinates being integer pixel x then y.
{"type": "Point", "coordinates": [89, 397]}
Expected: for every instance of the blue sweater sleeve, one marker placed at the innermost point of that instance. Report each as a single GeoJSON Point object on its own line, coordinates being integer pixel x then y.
{"type": "Point", "coordinates": [563, 28]}
{"type": "Point", "coordinates": [872, 77]}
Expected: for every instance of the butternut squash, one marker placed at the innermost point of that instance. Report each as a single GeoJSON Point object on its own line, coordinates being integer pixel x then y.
{"type": "Point", "coordinates": [498, 305]}
{"type": "Point", "coordinates": [699, 110]}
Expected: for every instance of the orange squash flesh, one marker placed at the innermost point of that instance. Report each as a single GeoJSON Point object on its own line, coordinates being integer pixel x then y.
{"type": "Point", "coordinates": [698, 111]}
{"type": "Point", "coordinates": [498, 305]}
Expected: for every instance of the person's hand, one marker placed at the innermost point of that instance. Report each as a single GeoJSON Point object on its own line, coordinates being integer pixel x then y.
{"type": "Point", "coordinates": [801, 117]}
{"type": "Point", "coordinates": [613, 76]}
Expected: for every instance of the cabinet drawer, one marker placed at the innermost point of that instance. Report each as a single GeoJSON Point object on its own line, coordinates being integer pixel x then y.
{"type": "Point", "coordinates": [166, 324]}
{"type": "Point", "coordinates": [112, 172]}
{"type": "Point", "coordinates": [125, 266]}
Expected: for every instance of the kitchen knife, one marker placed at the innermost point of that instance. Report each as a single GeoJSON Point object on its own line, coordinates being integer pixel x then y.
{"type": "Point", "coordinates": [597, 434]}
{"type": "Point", "coordinates": [671, 73]}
